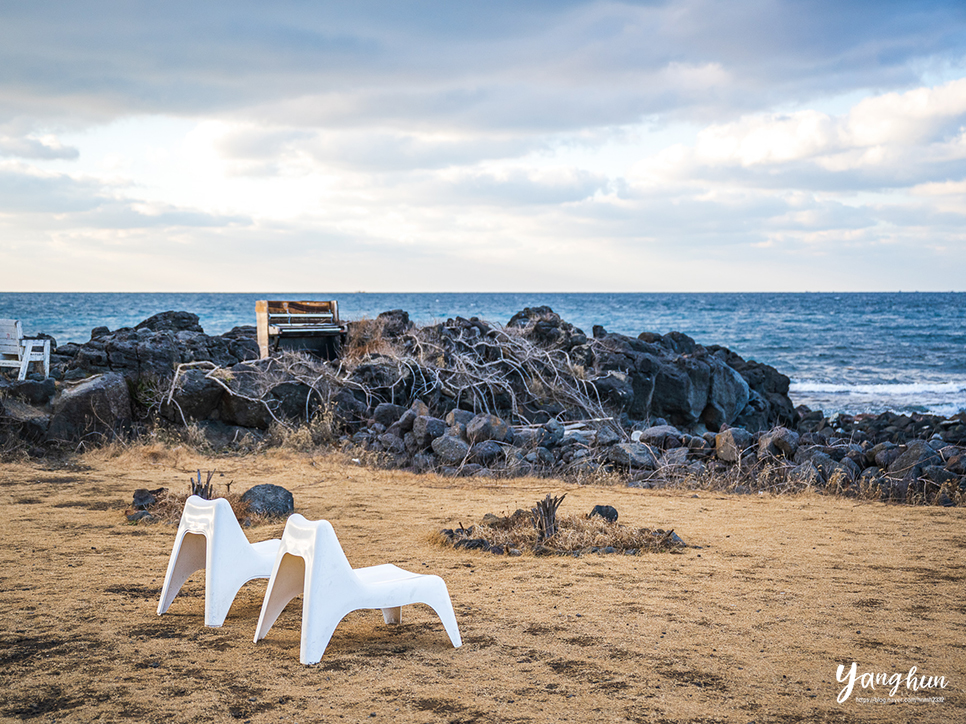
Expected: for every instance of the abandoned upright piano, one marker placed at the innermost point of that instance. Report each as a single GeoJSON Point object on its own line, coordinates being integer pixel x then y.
{"type": "Point", "coordinates": [306, 326]}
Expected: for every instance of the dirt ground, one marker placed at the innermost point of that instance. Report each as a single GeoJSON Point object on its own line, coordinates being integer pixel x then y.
{"type": "Point", "coordinates": [749, 624]}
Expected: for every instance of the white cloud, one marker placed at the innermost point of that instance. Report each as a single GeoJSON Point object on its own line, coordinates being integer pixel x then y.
{"type": "Point", "coordinates": [941, 189]}
{"type": "Point", "coordinates": [888, 140]}
{"type": "Point", "coordinates": [767, 140]}
{"type": "Point", "coordinates": [919, 116]}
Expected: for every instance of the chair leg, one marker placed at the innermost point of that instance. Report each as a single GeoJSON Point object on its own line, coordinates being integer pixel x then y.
{"type": "Point", "coordinates": [287, 582]}
{"type": "Point", "coordinates": [392, 615]}
{"type": "Point", "coordinates": [221, 587]}
{"type": "Point", "coordinates": [439, 600]}
{"type": "Point", "coordinates": [316, 633]}
{"type": "Point", "coordinates": [317, 629]}
{"type": "Point", "coordinates": [187, 557]}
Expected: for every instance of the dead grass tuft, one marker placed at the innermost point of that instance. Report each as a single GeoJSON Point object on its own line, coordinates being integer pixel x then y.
{"type": "Point", "coordinates": [320, 432]}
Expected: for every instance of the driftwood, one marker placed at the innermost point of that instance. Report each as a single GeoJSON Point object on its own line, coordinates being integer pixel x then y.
{"type": "Point", "coordinates": [545, 517]}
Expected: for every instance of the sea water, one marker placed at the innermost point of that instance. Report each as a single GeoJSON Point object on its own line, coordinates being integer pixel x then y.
{"type": "Point", "coordinates": [849, 352]}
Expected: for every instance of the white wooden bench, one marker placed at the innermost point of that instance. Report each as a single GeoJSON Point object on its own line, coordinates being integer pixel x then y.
{"type": "Point", "coordinates": [18, 351]}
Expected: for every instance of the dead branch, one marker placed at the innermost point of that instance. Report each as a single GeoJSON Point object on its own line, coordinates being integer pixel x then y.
{"type": "Point", "coordinates": [545, 517]}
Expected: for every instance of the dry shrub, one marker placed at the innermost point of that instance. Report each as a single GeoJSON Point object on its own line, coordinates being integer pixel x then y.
{"type": "Point", "coordinates": [578, 532]}
{"type": "Point", "coordinates": [260, 378]}
{"type": "Point", "coordinates": [190, 437]}
{"type": "Point", "coordinates": [499, 371]}
{"type": "Point", "coordinates": [365, 338]}
{"type": "Point", "coordinates": [13, 449]}
{"type": "Point", "coordinates": [323, 427]}
{"type": "Point", "coordinates": [955, 493]}
{"type": "Point", "coordinates": [195, 438]}
{"type": "Point", "coordinates": [298, 439]}
{"type": "Point", "coordinates": [575, 534]}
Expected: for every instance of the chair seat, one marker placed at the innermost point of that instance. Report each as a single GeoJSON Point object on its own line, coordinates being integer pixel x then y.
{"type": "Point", "coordinates": [386, 573]}
{"type": "Point", "coordinates": [267, 548]}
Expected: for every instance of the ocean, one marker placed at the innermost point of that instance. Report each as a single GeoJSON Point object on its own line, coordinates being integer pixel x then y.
{"type": "Point", "coordinates": [848, 352]}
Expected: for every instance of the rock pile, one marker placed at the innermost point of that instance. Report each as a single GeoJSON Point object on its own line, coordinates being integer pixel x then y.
{"type": "Point", "coordinates": [920, 471]}
{"type": "Point", "coordinates": [465, 397]}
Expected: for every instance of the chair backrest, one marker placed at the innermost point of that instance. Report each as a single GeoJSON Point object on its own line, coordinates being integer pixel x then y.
{"type": "Point", "coordinates": [11, 333]}
{"type": "Point", "coordinates": [215, 520]}
{"type": "Point", "coordinates": [316, 542]}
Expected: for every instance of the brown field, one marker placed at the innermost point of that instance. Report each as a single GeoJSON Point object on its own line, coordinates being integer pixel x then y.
{"type": "Point", "coordinates": [747, 625]}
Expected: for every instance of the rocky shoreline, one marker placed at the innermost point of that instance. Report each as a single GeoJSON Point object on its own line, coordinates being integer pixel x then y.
{"type": "Point", "coordinates": [466, 397]}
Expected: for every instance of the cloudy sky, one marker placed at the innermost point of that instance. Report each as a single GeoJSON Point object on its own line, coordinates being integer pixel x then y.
{"type": "Point", "coordinates": [687, 145]}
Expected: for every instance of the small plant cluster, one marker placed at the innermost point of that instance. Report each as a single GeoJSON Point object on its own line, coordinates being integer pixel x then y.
{"type": "Point", "coordinates": [165, 506]}
{"type": "Point", "coordinates": [206, 490]}
{"type": "Point", "coordinates": [571, 534]}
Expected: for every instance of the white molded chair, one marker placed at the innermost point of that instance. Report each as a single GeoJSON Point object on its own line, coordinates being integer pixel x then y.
{"type": "Point", "coordinates": [311, 562]}
{"type": "Point", "coordinates": [210, 537]}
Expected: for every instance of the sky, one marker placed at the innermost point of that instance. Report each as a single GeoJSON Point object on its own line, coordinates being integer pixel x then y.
{"type": "Point", "coordinates": [564, 146]}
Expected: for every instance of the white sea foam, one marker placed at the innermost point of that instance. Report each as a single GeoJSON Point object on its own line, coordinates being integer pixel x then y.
{"type": "Point", "coordinates": [938, 398]}
{"type": "Point", "coordinates": [907, 388]}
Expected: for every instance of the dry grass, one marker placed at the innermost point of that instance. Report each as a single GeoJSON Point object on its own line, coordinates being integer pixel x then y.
{"type": "Point", "coordinates": [143, 452]}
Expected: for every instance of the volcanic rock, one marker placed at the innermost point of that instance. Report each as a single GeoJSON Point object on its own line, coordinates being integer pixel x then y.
{"type": "Point", "coordinates": [98, 407]}
{"type": "Point", "coordinates": [269, 500]}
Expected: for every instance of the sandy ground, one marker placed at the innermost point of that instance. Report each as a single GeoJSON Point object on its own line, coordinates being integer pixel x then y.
{"type": "Point", "coordinates": [748, 625]}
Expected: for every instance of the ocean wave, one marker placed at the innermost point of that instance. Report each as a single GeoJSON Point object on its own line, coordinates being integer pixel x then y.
{"type": "Point", "coordinates": [937, 398]}
{"type": "Point", "coordinates": [888, 388]}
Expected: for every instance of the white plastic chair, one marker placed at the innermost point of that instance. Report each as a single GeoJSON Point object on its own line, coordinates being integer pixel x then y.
{"type": "Point", "coordinates": [311, 562]}
{"type": "Point", "coordinates": [210, 537]}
